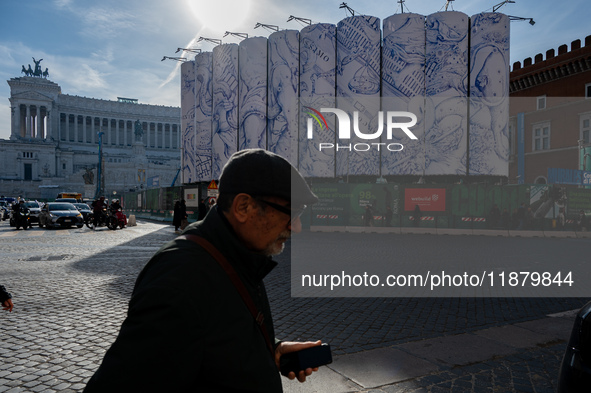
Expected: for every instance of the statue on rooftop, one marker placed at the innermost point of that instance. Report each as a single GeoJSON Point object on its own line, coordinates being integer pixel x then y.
{"type": "Point", "coordinates": [139, 130]}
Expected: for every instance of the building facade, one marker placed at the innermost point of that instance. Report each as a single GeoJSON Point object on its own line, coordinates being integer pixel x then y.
{"type": "Point", "coordinates": [550, 123]}
{"type": "Point", "coordinates": [54, 143]}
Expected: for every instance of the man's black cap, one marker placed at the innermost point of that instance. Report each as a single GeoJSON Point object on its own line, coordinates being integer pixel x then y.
{"type": "Point", "coordinates": [259, 172]}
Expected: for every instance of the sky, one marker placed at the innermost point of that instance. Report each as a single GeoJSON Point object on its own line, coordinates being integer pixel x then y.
{"type": "Point", "coordinates": [108, 49]}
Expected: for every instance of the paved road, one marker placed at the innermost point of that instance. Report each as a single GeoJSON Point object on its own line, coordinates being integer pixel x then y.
{"type": "Point", "coordinates": [71, 289]}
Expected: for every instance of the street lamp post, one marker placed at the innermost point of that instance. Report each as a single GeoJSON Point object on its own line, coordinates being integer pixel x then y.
{"type": "Point", "coordinates": [99, 174]}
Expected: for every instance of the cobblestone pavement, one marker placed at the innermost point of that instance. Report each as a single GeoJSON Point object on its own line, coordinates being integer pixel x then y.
{"type": "Point", "coordinates": [529, 371]}
{"type": "Point", "coordinates": [71, 289]}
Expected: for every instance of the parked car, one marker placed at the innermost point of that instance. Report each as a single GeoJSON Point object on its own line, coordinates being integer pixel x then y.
{"type": "Point", "coordinates": [9, 200]}
{"type": "Point", "coordinates": [60, 214]}
{"type": "Point", "coordinates": [7, 203]}
{"type": "Point", "coordinates": [84, 209]}
{"type": "Point", "coordinates": [575, 370]}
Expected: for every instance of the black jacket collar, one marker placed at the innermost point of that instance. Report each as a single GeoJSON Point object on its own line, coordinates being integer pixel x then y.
{"type": "Point", "coordinates": [216, 228]}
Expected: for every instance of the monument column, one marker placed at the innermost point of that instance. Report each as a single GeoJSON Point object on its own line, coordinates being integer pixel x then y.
{"type": "Point", "coordinates": [28, 122]}
{"type": "Point", "coordinates": [108, 131]}
{"type": "Point", "coordinates": [76, 135]}
{"type": "Point", "coordinates": [125, 132]}
{"type": "Point", "coordinates": [93, 131]}
{"type": "Point", "coordinates": [160, 140]}
{"type": "Point", "coordinates": [84, 129]}
{"type": "Point", "coordinates": [116, 133]}
{"type": "Point", "coordinates": [48, 128]}
{"type": "Point", "coordinates": [16, 125]}
{"type": "Point", "coordinates": [39, 134]}
{"type": "Point", "coordinates": [66, 135]}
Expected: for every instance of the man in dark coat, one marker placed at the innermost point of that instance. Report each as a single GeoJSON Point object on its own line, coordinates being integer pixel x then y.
{"type": "Point", "coordinates": [176, 216]}
{"type": "Point", "coordinates": [97, 211]}
{"type": "Point", "coordinates": [202, 209]}
{"type": "Point", "coordinates": [188, 328]}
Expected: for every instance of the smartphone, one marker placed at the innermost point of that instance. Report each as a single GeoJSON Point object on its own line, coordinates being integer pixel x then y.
{"type": "Point", "coordinates": [306, 358]}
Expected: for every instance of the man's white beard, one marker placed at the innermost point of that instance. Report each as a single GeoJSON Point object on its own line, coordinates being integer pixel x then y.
{"type": "Point", "coordinates": [276, 247]}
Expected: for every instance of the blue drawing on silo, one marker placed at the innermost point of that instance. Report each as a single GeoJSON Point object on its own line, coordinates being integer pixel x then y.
{"type": "Point", "coordinates": [253, 93]}
{"type": "Point", "coordinates": [282, 112]}
{"type": "Point", "coordinates": [358, 42]}
{"type": "Point", "coordinates": [225, 111]}
{"type": "Point", "coordinates": [188, 117]}
{"type": "Point", "coordinates": [489, 95]}
{"type": "Point", "coordinates": [446, 107]}
{"type": "Point", "coordinates": [358, 89]}
{"type": "Point", "coordinates": [403, 89]}
{"type": "Point", "coordinates": [317, 90]}
{"type": "Point", "coordinates": [403, 56]}
{"type": "Point", "coordinates": [203, 115]}
{"type": "Point", "coordinates": [447, 58]}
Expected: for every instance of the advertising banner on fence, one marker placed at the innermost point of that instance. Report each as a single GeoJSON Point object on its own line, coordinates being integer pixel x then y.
{"type": "Point", "coordinates": [191, 197]}
{"type": "Point", "coordinates": [568, 176]}
{"type": "Point", "coordinates": [428, 199]}
{"type": "Point", "coordinates": [578, 199]}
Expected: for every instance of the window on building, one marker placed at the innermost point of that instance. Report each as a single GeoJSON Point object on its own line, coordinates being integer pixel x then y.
{"type": "Point", "coordinates": [28, 172]}
{"type": "Point", "coordinates": [586, 129]}
{"type": "Point", "coordinates": [541, 102]}
{"type": "Point", "coordinates": [541, 137]}
{"type": "Point", "coordinates": [27, 154]}
{"type": "Point", "coordinates": [588, 90]}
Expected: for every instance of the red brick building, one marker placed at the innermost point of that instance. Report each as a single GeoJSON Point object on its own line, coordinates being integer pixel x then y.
{"type": "Point", "coordinates": [550, 113]}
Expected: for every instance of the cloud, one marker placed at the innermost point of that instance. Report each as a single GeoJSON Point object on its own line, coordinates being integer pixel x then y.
{"type": "Point", "coordinates": [106, 23]}
{"type": "Point", "coordinates": [62, 3]}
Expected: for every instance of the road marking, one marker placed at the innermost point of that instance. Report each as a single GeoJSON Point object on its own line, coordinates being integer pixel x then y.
{"type": "Point", "coordinates": [35, 233]}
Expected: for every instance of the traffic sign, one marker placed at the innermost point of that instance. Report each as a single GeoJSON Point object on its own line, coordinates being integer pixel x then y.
{"type": "Point", "coordinates": [212, 185]}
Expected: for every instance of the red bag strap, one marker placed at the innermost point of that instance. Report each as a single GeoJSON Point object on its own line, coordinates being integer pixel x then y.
{"type": "Point", "coordinates": [238, 284]}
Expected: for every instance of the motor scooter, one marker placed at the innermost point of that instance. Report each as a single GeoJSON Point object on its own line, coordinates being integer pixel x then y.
{"type": "Point", "coordinates": [23, 219]}
{"type": "Point", "coordinates": [121, 218]}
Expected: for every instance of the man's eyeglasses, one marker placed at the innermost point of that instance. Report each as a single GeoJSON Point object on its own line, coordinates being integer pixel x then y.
{"type": "Point", "coordinates": [293, 213]}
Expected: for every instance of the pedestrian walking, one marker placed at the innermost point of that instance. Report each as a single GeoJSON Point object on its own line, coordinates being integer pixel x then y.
{"type": "Point", "coordinates": [506, 219]}
{"type": "Point", "coordinates": [368, 216]}
{"type": "Point", "coordinates": [6, 299]}
{"type": "Point", "coordinates": [521, 212]}
{"type": "Point", "coordinates": [416, 216]}
{"type": "Point", "coordinates": [561, 219]}
{"type": "Point", "coordinates": [202, 209]}
{"type": "Point", "coordinates": [529, 219]}
{"type": "Point", "coordinates": [188, 326]}
{"type": "Point", "coordinates": [184, 215]}
{"type": "Point", "coordinates": [179, 214]}
{"type": "Point", "coordinates": [389, 215]}
{"type": "Point", "coordinates": [494, 216]}
{"type": "Point", "coordinates": [515, 219]}
{"type": "Point", "coordinates": [581, 221]}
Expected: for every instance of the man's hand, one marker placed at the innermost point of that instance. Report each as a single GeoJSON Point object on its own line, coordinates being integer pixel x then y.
{"type": "Point", "coordinates": [7, 305]}
{"type": "Point", "coordinates": [290, 346]}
